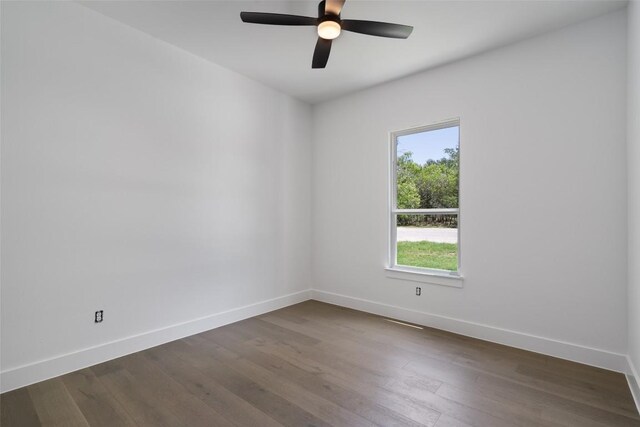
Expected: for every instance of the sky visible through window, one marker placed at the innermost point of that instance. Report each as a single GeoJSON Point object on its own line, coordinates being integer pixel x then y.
{"type": "Point", "coordinates": [429, 145]}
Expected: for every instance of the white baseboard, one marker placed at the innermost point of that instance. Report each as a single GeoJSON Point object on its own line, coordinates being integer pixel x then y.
{"type": "Point", "coordinates": [564, 350]}
{"type": "Point", "coordinates": [634, 385]}
{"type": "Point", "coordinates": [21, 376]}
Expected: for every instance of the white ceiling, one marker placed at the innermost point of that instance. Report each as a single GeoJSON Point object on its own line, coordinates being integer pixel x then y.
{"type": "Point", "coordinates": [280, 57]}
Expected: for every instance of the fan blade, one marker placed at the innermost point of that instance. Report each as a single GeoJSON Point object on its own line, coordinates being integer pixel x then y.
{"type": "Point", "coordinates": [321, 54]}
{"type": "Point", "coordinates": [374, 28]}
{"type": "Point", "coordinates": [333, 6]}
{"type": "Point", "coordinates": [276, 19]}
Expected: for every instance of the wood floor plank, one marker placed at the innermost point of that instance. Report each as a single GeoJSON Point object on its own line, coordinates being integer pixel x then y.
{"type": "Point", "coordinates": [447, 421]}
{"type": "Point", "coordinates": [377, 370]}
{"type": "Point", "coordinates": [556, 406]}
{"type": "Point", "coordinates": [409, 402]}
{"type": "Point", "coordinates": [316, 364]}
{"type": "Point", "coordinates": [16, 408]}
{"type": "Point", "coordinates": [339, 394]}
{"type": "Point", "coordinates": [322, 408]}
{"type": "Point", "coordinates": [578, 390]}
{"type": "Point", "coordinates": [446, 344]}
{"type": "Point", "coordinates": [190, 410]}
{"type": "Point", "coordinates": [138, 400]}
{"type": "Point", "coordinates": [521, 414]}
{"type": "Point", "coordinates": [395, 350]}
{"type": "Point", "coordinates": [95, 402]}
{"type": "Point", "coordinates": [355, 353]}
{"type": "Point", "coordinates": [387, 361]}
{"type": "Point", "coordinates": [54, 405]}
{"type": "Point", "coordinates": [207, 389]}
{"type": "Point", "coordinates": [283, 411]}
{"type": "Point", "coordinates": [420, 394]}
{"type": "Point", "coordinates": [604, 394]}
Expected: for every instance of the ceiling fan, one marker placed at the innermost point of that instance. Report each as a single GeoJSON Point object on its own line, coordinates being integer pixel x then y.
{"type": "Point", "coordinates": [329, 26]}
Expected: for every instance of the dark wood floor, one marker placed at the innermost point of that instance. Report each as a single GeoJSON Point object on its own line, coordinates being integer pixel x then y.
{"type": "Point", "coordinates": [315, 364]}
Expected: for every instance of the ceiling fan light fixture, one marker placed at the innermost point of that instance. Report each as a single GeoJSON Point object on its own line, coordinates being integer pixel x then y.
{"type": "Point", "coordinates": [329, 30]}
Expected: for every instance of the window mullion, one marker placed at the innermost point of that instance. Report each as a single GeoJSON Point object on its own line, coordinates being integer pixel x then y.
{"type": "Point", "coordinates": [442, 211]}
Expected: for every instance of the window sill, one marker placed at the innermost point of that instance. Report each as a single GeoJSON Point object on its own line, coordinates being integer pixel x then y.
{"type": "Point", "coordinates": [432, 277]}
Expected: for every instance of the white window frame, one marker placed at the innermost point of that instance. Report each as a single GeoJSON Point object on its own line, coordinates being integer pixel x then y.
{"type": "Point", "coordinates": [420, 274]}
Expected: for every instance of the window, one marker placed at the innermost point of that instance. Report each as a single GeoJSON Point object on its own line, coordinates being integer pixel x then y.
{"type": "Point", "coordinates": [425, 212]}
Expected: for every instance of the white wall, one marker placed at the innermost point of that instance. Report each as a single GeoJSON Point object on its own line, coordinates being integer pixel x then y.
{"type": "Point", "coordinates": [543, 193]}
{"type": "Point", "coordinates": [142, 180]}
{"type": "Point", "coordinates": [633, 167]}
{"type": "Point", "coordinates": [137, 179]}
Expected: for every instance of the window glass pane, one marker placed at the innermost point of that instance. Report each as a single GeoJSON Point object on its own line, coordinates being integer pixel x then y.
{"type": "Point", "coordinates": [427, 241]}
{"type": "Point", "coordinates": [427, 169]}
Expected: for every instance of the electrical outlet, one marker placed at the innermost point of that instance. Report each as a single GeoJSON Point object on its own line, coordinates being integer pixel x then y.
{"type": "Point", "coordinates": [418, 291]}
{"type": "Point", "coordinates": [99, 316]}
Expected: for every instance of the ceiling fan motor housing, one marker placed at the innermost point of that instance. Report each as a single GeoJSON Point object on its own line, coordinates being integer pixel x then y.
{"type": "Point", "coordinates": [329, 17]}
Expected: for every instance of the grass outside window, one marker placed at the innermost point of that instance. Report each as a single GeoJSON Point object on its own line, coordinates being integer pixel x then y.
{"type": "Point", "coordinates": [425, 254]}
